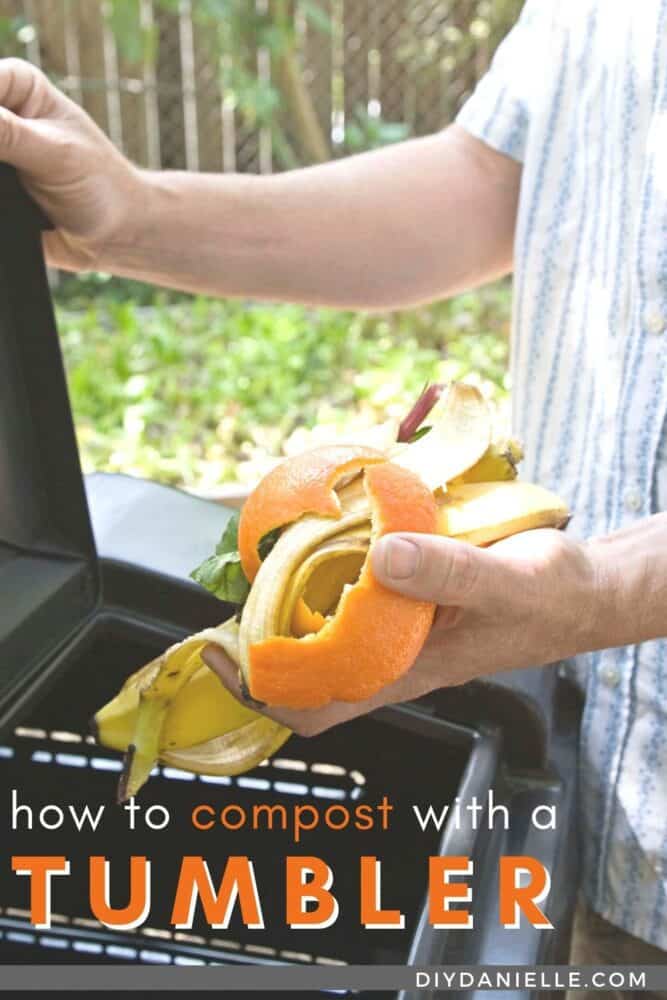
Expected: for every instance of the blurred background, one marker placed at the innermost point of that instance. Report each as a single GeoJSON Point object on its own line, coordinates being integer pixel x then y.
{"type": "Point", "coordinates": [203, 393]}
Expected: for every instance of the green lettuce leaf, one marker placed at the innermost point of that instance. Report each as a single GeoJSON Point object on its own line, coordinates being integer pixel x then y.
{"type": "Point", "coordinates": [222, 574]}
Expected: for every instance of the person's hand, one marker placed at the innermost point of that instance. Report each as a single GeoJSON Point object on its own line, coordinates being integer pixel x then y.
{"type": "Point", "coordinates": [529, 600]}
{"type": "Point", "coordinates": [88, 190]}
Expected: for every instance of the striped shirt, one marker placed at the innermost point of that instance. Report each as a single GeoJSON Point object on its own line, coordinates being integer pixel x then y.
{"type": "Point", "coordinates": [578, 93]}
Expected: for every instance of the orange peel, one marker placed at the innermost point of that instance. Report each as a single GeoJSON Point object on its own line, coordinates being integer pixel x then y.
{"type": "Point", "coordinates": [375, 635]}
{"type": "Point", "coordinates": [300, 485]}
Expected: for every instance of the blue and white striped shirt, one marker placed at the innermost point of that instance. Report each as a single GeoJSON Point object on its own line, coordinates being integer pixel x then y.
{"type": "Point", "coordinates": [578, 93]}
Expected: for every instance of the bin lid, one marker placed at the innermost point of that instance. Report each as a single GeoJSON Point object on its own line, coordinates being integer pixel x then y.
{"type": "Point", "coordinates": [48, 566]}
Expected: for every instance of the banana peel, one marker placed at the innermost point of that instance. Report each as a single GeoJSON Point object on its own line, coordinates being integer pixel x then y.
{"type": "Point", "coordinates": [483, 513]}
{"type": "Point", "coordinates": [175, 710]}
{"type": "Point", "coordinates": [460, 435]}
{"type": "Point", "coordinates": [499, 462]}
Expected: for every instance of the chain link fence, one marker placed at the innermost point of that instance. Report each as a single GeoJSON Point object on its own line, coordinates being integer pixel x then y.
{"type": "Point", "coordinates": [166, 104]}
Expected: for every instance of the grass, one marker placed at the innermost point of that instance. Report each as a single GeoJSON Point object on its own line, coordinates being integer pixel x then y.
{"type": "Point", "coordinates": [197, 392]}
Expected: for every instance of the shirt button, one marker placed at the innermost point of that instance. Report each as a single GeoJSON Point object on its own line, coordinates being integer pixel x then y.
{"type": "Point", "coordinates": [633, 500]}
{"type": "Point", "coordinates": [611, 676]}
{"type": "Point", "coordinates": [654, 319]}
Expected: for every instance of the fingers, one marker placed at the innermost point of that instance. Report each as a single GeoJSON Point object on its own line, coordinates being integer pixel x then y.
{"type": "Point", "coordinates": [215, 658]}
{"type": "Point", "coordinates": [431, 568]}
{"type": "Point", "coordinates": [24, 89]}
{"type": "Point", "coordinates": [228, 672]}
{"type": "Point", "coordinates": [23, 143]}
{"type": "Point", "coordinates": [27, 100]}
{"type": "Point", "coordinates": [304, 723]}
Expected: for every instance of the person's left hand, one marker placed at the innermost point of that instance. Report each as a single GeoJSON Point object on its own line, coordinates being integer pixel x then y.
{"type": "Point", "coordinates": [532, 599]}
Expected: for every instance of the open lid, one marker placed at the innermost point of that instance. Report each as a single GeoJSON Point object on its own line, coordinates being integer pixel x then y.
{"type": "Point", "coordinates": [48, 571]}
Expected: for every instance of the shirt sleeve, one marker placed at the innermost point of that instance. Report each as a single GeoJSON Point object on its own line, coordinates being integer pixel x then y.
{"type": "Point", "coordinates": [499, 110]}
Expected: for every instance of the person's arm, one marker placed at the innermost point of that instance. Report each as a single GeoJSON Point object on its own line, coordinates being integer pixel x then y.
{"type": "Point", "coordinates": [386, 229]}
{"type": "Point", "coordinates": [390, 228]}
{"type": "Point", "coordinates": [533, 599]}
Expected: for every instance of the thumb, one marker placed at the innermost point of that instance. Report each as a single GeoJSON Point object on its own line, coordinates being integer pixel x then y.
{"type": "Point", "coordinates": [23, 143]}
{"type": "Point", "coordinates": [432, 568]}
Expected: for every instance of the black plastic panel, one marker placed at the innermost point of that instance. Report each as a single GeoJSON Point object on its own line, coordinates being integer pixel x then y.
{"type": "Point", "coordinates": [48, 584]}
{"type": "Point", "coordinates": [149, 538]}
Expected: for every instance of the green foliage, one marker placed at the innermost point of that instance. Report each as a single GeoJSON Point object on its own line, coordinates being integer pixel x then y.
{"type": "Point", "coordinates": [317, 16]}
{"type": "Point", "coordinates": [236, 30]}
{"type": "Point", "coordinates": [457, 38]}
{"type": "Point", "coordinates": [367, 131]}
{"type": "Point", "coordinates": [15, 33]}
{"type": "Point", "coordinates": [79, 292]}
{"type": "Point", "coordinates": [222, 574]}
{"type": "Point", "coordinates": [199, 391]}
{"type": "Point", "coordinates": [136, 41]}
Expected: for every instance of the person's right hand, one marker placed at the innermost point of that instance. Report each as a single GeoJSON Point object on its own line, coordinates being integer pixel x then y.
{"type": "Point", "coordinates": [86, 187]}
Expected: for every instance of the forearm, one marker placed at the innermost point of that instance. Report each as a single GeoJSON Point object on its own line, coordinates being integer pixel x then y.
{"type": "Point", "coordinates": [390, 228]}
{"type": "Point", "coordinates": [631, 566]}
{"type": "Point", "coordinates": [386, 229]}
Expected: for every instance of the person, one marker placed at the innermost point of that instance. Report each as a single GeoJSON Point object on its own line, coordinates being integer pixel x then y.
{"type": "Point", "coordinates": [555, 169]}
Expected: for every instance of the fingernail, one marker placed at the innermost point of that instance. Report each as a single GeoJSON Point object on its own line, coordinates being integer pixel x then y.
{"type": "Point", "coordinates": [401, 558]}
